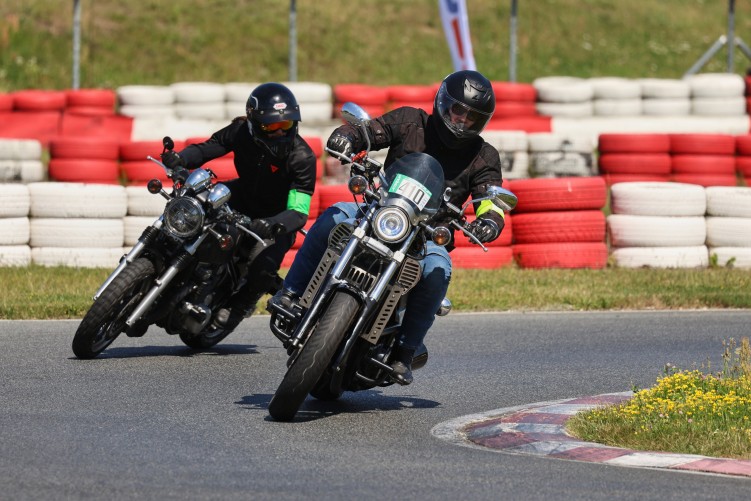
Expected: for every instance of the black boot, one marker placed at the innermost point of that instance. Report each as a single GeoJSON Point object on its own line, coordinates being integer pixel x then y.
{"type": "Point", "coordinates": [401, 364]}
{"type": "Point", "coordinates": [284, 298]}
{"type": "Point", "coordinates": [241, 306]}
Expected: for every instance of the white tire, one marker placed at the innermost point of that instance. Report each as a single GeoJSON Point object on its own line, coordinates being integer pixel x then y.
{"type": "Point", "coordinates": [239, 91]}
{"type": "Point", "coordinates": [208, 111]}
{"type": "Point", "coordinates": [577, 109]}
{"type": "Point", "coordinates": [716, 85]}
{"type": "Point", "coordinates": [15, 255]}
{"type": "Point", "coordinates": [563, 89]}
{"type": "Point", "coordinates": [10, 170]}
{"type": "Point", "coordinates": [15, 200]}
{"type": "Point", "coordinates": [617, 107]}
{"type": "Point", "coordinates": [145, 95]}
{"type": "Point", "coordinates": [20, 149]}
{"type": "Point", "coordinates": [234, 109]}
{"type": "Point", "coordinates": [506, 140]}
{"type": "Point", "coordinates": [32, 171]}
{"type": "Point", "coordinates": [558, 163]}
{"type": "Point", "coordinates": [728, 231]}
{"type": "Point", "coordinates": [14, 230]}
{"type": "Point", "coordinates": [310, 92]}
{"type": "Point", "coordinates": [517, 167]}
{"type": "Point", "coordinates": [540, 142]}
{"type": "Point", "coordinates": [198, 92]}
{"type": "Point", "coordinates": [666, 107]}
{"type": "Point", "coordinates": [143, 203]}
{"type": "Point", "coordinates": [78, 257]}
{"type": "Point", "coordinates": [77, 200]}
{"type": "Point", "coordinates": [661, 257]}
{"type": "Point", "coordinates": [658, 199]}
{"type": "Point", "coordinates": [76, 232]}
{"type": "Point", "coordinates": [615, 88]}
{"type": "Point", "coordinates": [148, 111]}
{"type": "Point", "coordinates": [316, 113]}
{"type": "Point", "coordinates": [735, 257]}
{"type": "Point", "coordinates": [718, 106]}
{"type": "Point", "coordinates": [732, 201]}
{"type": "Point", "coordinates": [133, 227]}
{"type": "Point", "coordinates": [656, 231]}
{"type": "Point", "coordinates": [664, 88]}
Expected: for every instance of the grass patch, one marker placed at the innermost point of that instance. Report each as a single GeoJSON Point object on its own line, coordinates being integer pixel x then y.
{"type": "Point", "coordinates": [687, 412]}
{"type": "Point", "coordinates": [39, 292]}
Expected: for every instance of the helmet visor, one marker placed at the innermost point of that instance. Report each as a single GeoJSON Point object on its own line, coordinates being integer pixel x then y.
{"type": "Point", "coordinates": [461, 119]}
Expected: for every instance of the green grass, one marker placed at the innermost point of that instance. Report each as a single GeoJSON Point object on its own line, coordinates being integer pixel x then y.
{"type": "Point", "coordinates": [393, 42]}
{"type": "Point", "coordinates": [38, 292]}
{"type": "Point", "coordinates": [687, 411]}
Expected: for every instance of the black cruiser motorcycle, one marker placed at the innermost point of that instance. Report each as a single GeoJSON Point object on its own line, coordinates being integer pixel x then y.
{"type": "Point", "coordinates": [180, 273]}
{"type": "Point", "coordinates": [340, 335]}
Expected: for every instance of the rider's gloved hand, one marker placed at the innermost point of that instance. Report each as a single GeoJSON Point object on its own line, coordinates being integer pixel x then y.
{"type": "Point", "coordinates": [340, 143]}
{"type": "Point", "coordinates": [486, 230]}
{"type": "Point", "coordinates": [172, 160]}
{"type": "Point", "coordinates": [262, 228]}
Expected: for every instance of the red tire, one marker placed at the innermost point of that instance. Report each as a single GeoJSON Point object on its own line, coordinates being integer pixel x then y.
{"type": "Point", "coordinates": [411, 93]}
{"type": "Point", "coordinates": [141, 171]}
{"type": "Point", "coordinates": [538, 123]}
{"type": "Point", "coordinates": [635, 163]}
{"type": "Point", "coordinates": [373, 110]}
{"type": "Point", "coordinates": [39, 100]}
{"type": "Point", "coordinates": [84, 170]}
{"type": "Point", "coordinates": [559, 226]}
{"type": "Point", "coordinates": [633, 143]}
{"type": "Point", "coordinates": [743, 166]}
{"type": "Point", "coordinates": [512, 91]}
{"type": "Point", "coordinates": [743, 145]}
{"type": "Point", "coordinates": [316, 144]}
{"type": "Point", "coordinates": [702, 144]}
{"type": "Point", "coordinates": [315, 203]}
{"type": "Point", "coordinates": [97, 98]}
{"type": "Point", "coordinates": [6, 102]}
{"type": "Point", "coordinates": [332, 193]}
{"type": "Point", "coordinates": [90, 111]}
{"type": "Point", "coordinates": [705, 179]}
{"type": "Point", "coordinates": [460, 240]}
{"type": "Point", "coordinates": [84, 147]}
{"type": "Point", "coordinates": [475, 257]}
{"type": "Point", "coordinates": [426, 106]}
{"type": "Point", "coordinates": [510, 109]}
{"type": "Point", "coordinates": [223, 167]}
{"type": "Point", "coordinates": [703, 164]}
{"type": "Point", "coordinates": [360, 94]}
{"type": "Point", "coordinates": [137, 151]}
{"type": "Point", "coordinates": [611, 179]}
{"type": "Point", "coordinates": [563, 193]}
{"type": "Point", "coordinates": [562, 255]}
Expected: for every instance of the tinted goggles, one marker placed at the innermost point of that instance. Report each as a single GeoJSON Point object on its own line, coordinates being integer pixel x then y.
{"type": "Point", "coordinates": [284, 125]}
{"type": "Point", "coordinates": [460, 110]}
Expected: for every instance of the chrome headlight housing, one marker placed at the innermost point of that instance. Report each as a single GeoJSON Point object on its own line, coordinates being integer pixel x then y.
{"type": "Point", "coordinates": [391, 224]}
{"type": "Point", "coordinates": [183, 217]}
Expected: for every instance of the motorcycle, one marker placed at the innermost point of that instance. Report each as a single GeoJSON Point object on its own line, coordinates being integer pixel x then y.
{"type": "Point", "coordinates": [340, 335]}
{"type": "Point", "coordinates": [182, 270]}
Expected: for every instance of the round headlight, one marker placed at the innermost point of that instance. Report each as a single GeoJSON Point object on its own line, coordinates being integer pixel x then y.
{"type": "Point", "coordinates": [391, 224]}
{"type": "Point", "coordinates": [183, 217]}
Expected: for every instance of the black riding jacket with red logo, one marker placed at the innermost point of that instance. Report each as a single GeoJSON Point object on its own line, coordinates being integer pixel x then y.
{"type": "Point", "coordinates": [264, 180]}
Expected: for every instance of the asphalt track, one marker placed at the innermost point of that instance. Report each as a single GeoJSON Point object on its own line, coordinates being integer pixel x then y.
{"type": "Point", "coordinates": [151, 419]}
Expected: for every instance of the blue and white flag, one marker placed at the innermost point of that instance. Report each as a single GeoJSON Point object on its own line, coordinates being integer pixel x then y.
{"type": "Point", "coordinates": [456, 27]}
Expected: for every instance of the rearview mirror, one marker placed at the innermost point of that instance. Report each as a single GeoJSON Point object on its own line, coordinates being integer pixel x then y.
{"type": "Point", "coordinates": [502, 197]}
{"type": "Point", "coordinates": [354, 114]}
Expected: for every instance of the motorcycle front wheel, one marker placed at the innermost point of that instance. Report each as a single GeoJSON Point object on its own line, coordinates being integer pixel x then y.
{"type": "Point", "coordinates": [307, 369]}
{"type": "Point", "coordinates": [106, 318]}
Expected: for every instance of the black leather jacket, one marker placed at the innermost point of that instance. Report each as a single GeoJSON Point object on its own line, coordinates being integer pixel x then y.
{"type": "Point", "coordinates": [467, 170]}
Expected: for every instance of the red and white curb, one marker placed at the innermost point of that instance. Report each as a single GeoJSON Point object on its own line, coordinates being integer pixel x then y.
{"type": "Point", "coordinates": [539, 429]}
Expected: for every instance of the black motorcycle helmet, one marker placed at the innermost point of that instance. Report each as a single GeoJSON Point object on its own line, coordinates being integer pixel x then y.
{"type": "Point", "coordinates": [466, 94]}
{"type": "Point", "coordinates": [272, 107]}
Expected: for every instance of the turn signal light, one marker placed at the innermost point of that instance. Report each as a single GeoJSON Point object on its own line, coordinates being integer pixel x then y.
{"type": "Point", "coordinates": [358, 185]}
{"type": "Point", "coordinates": [441, 236]}
{"type": "Point", "coordinates": [154, 186]}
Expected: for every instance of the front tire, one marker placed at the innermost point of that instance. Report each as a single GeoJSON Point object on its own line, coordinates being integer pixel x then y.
{"type": "Point", "coordinates": [314, 358]}
{"type": "Point", "coordinates": [105, 320]}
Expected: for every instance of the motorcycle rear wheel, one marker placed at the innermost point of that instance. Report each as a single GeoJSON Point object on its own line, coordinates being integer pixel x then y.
{"type": "Point", "coordinates": [105, 320]}
{"type": "Point", "coordinates": [206, 339]}
{"type": "Point", "coordinates": [314, 358]}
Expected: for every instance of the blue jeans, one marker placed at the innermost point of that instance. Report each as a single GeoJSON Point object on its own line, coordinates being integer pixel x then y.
{"type": "Point", "coordinates": [424, 299]}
